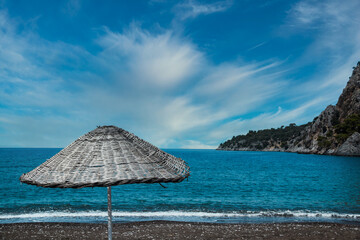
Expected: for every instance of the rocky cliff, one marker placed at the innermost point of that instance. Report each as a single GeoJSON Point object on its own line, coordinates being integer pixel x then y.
{"type": "Point", "coordinates": [335, 131]}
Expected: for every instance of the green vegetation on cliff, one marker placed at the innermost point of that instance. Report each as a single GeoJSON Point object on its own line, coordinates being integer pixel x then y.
{"type": "Point", "coordinates": [262, 138]}
{"type": "Point", "coordinates": [341, 131]}
{"type": "Point", "coordinates": [349, 126]}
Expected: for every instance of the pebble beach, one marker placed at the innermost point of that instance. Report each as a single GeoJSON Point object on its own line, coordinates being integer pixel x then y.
{"type": "Point", "coordinates": [180, 230]}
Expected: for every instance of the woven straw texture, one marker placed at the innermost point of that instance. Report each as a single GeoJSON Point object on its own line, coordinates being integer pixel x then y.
{"type": "Point", "coordinates": [107, 156]}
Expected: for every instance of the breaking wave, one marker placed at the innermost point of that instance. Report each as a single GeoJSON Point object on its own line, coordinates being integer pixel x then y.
{"type": "Point", "coordinates": [249, 216]}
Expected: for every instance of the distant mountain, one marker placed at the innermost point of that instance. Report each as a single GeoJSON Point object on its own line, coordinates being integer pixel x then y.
{"type": "Point", "coordinates": [336, 131]}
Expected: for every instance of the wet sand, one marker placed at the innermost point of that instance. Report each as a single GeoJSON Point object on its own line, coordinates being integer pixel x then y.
{"type": "Point", "coordinates": [179, 230]}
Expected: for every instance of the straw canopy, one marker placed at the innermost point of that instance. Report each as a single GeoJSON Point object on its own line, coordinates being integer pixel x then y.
{"type": "Point", "coordinates": [107, 156]}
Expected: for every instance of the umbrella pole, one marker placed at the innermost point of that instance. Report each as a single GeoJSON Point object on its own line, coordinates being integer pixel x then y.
{"type": "Point", "coordinates": [109, 214]}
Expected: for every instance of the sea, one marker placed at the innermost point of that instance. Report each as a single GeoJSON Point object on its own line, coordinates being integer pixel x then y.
{"type": "Point", "coordinates": [224, 187]}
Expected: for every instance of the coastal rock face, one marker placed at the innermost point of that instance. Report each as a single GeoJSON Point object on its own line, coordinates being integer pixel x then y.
{"type": "Point", "coordinates": [335, 131]}
{"type": "Point", "coordinates": [351, 146]}
{"type": "Point", "coordinates": [349, 100]}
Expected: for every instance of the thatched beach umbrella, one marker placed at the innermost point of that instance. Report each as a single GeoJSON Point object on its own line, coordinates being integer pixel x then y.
{"type": "Point", "coordinates": [105, 157]}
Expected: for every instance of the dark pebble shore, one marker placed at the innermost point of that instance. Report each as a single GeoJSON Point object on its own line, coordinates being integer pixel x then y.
{"type": "Point", "coordinates": [179, 230]}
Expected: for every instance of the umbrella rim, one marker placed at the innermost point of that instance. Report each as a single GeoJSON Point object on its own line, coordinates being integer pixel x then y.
{"type": "Point", "coordinates": [102, 184]}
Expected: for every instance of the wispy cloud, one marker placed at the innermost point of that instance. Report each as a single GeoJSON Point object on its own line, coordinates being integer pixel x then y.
{"type": "Point", "coordinates": [335, 26]}
{"type": "Point", "coordinates": [192, 9]}
{"type": "Point", "coordinates": [24, 77]}
{"type": "Point", "coordinates": [159, 82]}
{"type": "Point", "coordinates": [306, 13]}
{"type": "Point", "coordinates": [256, 46]}
{"type": "Point", "coordinates": [72, 7]}
{"type": "Point", "coordinates": [331, 13]}
{"type": "Point", "coordinates": [162, 60]}
{"type": "Point", "coordinates": [332, 29]}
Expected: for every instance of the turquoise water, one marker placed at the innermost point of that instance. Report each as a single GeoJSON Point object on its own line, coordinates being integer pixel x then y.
{"type": "Point", "coordinates": [223, 187]}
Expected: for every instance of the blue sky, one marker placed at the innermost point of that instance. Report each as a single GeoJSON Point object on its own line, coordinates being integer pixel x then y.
{"type": "Point", "coordinates": [180, 74]}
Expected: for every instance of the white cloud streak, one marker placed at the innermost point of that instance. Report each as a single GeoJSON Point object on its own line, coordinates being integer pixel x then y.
{"type": "Point", "coordinates": [161, 59]}
{"type": "Point", "coordinates": [192, 9]}
{"type": "Point", "coordinates": [335, 26]}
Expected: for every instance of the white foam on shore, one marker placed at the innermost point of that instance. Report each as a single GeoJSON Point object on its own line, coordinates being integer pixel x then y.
{"type": "Point", "coordinates": [183, 215]}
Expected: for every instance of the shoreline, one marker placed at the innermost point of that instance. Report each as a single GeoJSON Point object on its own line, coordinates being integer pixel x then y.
{"type": "Point", "coordinates": [180, 230]}
{"type": "Point", "coordinates": [285, 151]}
{"type": "Point", "coordinates": [255, 217]}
